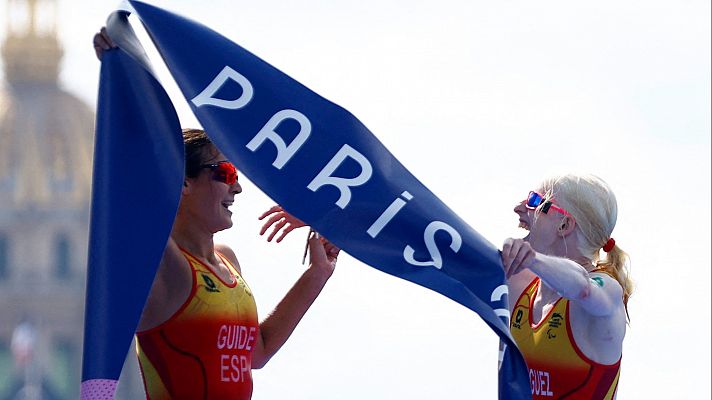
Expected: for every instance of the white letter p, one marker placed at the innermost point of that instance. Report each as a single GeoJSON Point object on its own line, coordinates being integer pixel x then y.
{"type": "Point", "coordinates": [206, 96]}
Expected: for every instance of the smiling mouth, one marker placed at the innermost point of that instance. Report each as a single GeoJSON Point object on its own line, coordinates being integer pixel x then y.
{"type": "Point", "coordinates": [227, 204]}
{"type": "Point", "coordinates": [523, 224]}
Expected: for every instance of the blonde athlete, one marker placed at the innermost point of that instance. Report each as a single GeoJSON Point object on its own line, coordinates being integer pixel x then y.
{"type": "Point", "coordinates": [568, 305]}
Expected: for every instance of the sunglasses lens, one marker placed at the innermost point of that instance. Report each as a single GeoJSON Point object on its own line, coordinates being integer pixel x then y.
{"type": "Point", "coordinates": [225, 172]}
{"type": "Point", "coordinates": [533, 200]}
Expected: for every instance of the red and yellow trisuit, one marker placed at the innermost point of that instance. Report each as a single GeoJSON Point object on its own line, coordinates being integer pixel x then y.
{"type": "Point", "coordinates": [558, 369]}
{"type": "Point", "coordinates": [204, 351]}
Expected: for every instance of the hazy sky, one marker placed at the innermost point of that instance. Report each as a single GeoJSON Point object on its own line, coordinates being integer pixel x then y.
{"type": "Point", "coordinates": [481, 101]}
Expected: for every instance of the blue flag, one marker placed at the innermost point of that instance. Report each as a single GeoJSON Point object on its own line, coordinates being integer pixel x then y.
{"type": "Point", "coordinates": [325, 167]}
{"type": "Point", "coordinates": [137, 179]}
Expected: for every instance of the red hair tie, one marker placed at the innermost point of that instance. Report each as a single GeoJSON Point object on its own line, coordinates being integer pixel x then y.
{"type": "Point", "coordinates": [609, 245]}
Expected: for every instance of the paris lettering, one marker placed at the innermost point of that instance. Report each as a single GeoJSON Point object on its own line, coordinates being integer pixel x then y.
{"type": "Point", "coordinates": [325, 177]}
{"type": "Point", "coordinates": [426, 253]}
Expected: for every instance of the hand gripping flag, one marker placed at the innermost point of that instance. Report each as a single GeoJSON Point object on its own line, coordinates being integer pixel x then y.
{"type": "Point", "coordinates": [325, 167]}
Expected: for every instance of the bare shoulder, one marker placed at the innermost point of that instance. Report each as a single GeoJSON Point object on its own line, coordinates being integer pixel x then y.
{"type": "Point", "coordinates": [607, 283]}
{"type": "Point", "coordinates": [604, 301]}
{"type": "Point", "coordinates": [172, 253]}
{"type": "Point", "coordinates": [226, 251]}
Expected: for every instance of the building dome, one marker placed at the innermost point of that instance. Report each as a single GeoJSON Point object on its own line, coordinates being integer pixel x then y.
{"type": "Point", "coordinates": [45, 148]}
{"type": "Point", "coordinates": [46, 144]}
{"type": "Point", "coordinates": [45, 133]}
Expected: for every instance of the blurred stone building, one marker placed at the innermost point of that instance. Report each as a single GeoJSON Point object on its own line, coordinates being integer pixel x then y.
{"type": "Point", "coordinates": [46, 146]}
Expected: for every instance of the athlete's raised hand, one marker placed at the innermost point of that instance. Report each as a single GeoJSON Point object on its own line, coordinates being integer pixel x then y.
{"type": "Point", "coordinates": [517, 255]}
{"type": "Point", "coordinates": [280, 221]}
{"type": "Point", "coordinates": [102, 43]}
{"type": "Point", "coordinates": [322, 254]}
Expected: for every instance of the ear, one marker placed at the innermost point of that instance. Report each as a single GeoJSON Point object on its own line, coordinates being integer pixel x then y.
{"type": "Point", "coordinates": [567, 226]}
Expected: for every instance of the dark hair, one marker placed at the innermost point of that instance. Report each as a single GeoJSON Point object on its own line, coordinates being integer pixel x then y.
{"type": "Point", "coordinates": [198, 149]}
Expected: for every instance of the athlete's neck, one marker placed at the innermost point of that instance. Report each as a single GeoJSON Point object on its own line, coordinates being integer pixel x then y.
{"type": "Point", "coordinates": [197, 242]}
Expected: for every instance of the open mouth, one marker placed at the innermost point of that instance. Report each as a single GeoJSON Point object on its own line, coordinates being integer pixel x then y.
{"type": "Point", "coordinates": [523, 224]}
{"type": "Point", "coordinates": [227, 204]}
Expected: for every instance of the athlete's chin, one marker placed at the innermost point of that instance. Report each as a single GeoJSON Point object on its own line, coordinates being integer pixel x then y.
{"type": "Point", "coordinates": [227, 225]}
{"type": "Point", "coordinates": [224, 224]}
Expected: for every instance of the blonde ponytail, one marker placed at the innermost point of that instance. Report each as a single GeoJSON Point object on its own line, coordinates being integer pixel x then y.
{"type": "Point", "coordinates": [616, 263]}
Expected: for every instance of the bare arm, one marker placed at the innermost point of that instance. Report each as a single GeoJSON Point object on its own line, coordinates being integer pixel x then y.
{"type": "Point", "coordinates": [171, 287]}
{"type": "Point", "coordinates": [279, 325]}
{"type": "Point", "coordinates": [597, 293]}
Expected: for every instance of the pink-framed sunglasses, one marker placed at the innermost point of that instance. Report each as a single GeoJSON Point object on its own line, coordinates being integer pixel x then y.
{"type": "Point", "coordinates": [534, 200]}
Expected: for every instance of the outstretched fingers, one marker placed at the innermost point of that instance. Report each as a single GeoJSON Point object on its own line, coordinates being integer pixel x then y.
{"type": "Point", "coordinates": [272, 210]}
{"type": "Point", "coordinates": [277, 226]}
{"type": "Point", "coordinates": [280, 221]}
{"type": "Point", "coordinates": [271, 221]}
{"type": "Point", "coordinates": [285, 231]}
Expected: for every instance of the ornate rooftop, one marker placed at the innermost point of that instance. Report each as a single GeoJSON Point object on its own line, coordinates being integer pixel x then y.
{"type": "Point", "coordinates": [45, 132]}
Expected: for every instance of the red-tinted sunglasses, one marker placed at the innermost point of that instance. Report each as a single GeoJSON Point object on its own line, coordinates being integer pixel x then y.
{"type": "Point", "coordinates": [223, 171]}
{"type": "Point", "coordinates": [535, 200]}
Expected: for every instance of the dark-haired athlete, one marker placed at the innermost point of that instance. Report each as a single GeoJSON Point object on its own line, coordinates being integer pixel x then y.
{"type": "Point", "coordinates": [199, 336]}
